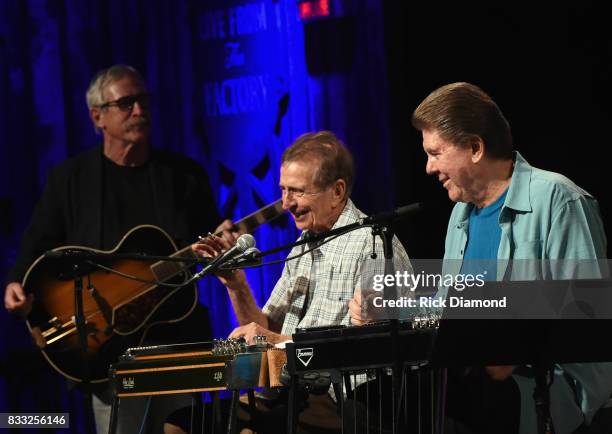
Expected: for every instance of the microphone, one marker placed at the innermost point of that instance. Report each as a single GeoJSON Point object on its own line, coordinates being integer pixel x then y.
{"type": "Point", "coordinates": [251, 256]}
{"type": "Point", "coordinates": [244, 242]}
{"type": "Point", "coordinates": [396, 214]}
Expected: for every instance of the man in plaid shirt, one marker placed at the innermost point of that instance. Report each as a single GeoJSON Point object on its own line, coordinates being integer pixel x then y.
{"type": "Point", "coordinates": [315, 288]}
{"type": "Point", "coordinates": [316, 177]}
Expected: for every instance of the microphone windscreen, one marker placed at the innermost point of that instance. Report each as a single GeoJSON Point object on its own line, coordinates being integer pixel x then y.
{"type": "Point", "coordinates": [245, 241]}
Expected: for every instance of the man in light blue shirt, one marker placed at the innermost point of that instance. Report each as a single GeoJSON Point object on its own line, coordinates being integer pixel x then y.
{"type": "Point", "coordinates": [508, 210]}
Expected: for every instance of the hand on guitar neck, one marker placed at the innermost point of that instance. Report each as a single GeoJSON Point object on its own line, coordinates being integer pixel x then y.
{"type": "Point", "coordinates": [214, 245]}
{"type": "Point", "coordinates": [225, 237]}
{"type": "Point", "coordinates": [228, 231]}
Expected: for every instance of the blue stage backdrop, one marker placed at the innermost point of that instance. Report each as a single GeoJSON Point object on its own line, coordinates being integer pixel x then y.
{"type": "Point", "coordinates": [250, 94]}
{"type": "Point", "coordinates": [233, 82]}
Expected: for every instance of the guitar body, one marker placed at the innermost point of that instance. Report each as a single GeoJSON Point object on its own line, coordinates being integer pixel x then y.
{"type": "Point", "coordinates": [118, 311]}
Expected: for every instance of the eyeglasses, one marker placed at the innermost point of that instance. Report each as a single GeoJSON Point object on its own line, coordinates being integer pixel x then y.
{"type": "Point", "coordinates": [296, 192]}
{"type": "Point", "coordinates": [126, 103]}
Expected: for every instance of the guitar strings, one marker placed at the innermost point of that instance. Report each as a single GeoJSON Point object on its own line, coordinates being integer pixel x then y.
{"type": "Point", "coordinates": [140, 279]}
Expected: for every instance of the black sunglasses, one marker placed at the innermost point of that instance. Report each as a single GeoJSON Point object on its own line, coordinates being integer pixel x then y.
{"type": "Point", "coordinates": [126, 103]}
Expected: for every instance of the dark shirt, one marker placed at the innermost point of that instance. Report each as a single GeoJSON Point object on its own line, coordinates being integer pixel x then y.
{"type": "Point", "coordinates": [81, 206]}
{"type": "Point", "coordinates": [128, 200]}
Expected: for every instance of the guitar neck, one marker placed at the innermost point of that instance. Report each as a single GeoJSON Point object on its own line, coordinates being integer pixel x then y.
{"type": "Point", "coordinates": [263, 215]}
{"type": "Point", "coordinates": [164, 270]}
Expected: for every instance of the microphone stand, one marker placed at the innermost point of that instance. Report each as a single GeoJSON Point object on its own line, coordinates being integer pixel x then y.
{"type": "Point", "coordinates": [382, 219]}
{"type": "Point", "coordinates": [316, 237]}
{"type": "Point", "coordinates": [79, 321]}
{"type": "Point", "coordinates": [386, 234]}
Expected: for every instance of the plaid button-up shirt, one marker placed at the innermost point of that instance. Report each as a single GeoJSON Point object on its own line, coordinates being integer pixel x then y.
{"type": "Point", "coordinates": [314, 289]}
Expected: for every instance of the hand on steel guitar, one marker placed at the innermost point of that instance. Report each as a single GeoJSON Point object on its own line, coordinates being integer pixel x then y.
{"type": "Point", "coordinates": [249, 331]}
{"type": "Point", "coordinates": [356, 310]}
{"type": "Point", "coordinates": [360, 307]}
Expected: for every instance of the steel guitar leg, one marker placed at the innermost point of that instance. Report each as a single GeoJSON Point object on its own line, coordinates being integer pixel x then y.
{"type": "Point", "coordinates": [233, 413]}
{"type": "Point", "coordinates": [441, 398]}
{"type": "Point", "coordinates": [145, 417]}
{"type": "Point", "coordinates": [436, 394]}
{"type": "Point", "coordinates": [252, 403]}
{"type": "Point", "coordinates": [216, 413]}
{"type": "Point", "coordinates": [432, 400]}
{"type": "Point", "coordinates": [419, 406]}
{"type": "Point", "coordinates": [292, 416]}
{"type": "Point", "coordinates": [112, 426]}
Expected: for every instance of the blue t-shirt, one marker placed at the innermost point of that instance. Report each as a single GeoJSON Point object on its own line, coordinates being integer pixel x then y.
{"type": "Point", "coordinates": [484, 234]}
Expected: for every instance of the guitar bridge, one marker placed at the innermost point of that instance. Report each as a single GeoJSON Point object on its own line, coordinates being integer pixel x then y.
{"type": "Point", "coordinates": [55, 323]}
{"type": "Point", "coordinates": [58, 330]}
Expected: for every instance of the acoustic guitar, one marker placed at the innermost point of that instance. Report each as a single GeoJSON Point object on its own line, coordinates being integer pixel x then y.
{"type": "Point", "coordinates": [118, 311]}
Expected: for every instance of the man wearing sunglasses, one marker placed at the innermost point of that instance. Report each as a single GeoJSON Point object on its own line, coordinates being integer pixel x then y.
{"type": "Point", "coordinates": [94, 198]}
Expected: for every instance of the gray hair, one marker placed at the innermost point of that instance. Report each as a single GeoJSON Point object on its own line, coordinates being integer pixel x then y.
{"type": "Point", "coordinates": [94, 94]}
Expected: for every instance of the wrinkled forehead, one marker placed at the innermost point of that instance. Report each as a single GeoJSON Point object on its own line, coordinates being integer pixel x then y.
{"type": "Point", "coordinates": [300, 172]}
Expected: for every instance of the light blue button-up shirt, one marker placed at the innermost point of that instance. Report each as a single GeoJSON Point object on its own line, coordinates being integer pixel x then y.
{"type": "Point", "coordinates": [546, 217]}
